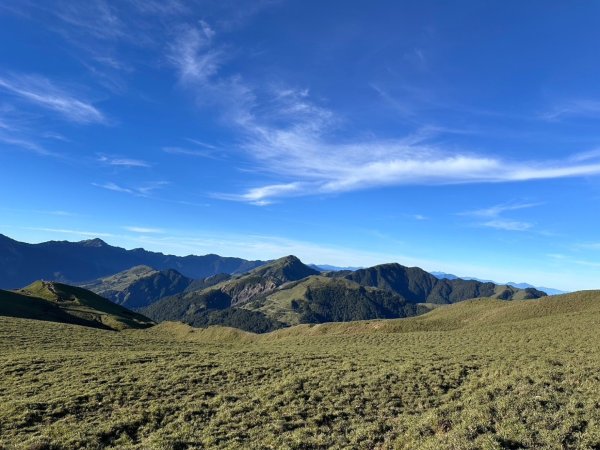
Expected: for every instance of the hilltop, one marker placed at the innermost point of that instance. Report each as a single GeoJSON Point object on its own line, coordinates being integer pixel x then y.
{"type": "Point", "coordinates": [56, 302]}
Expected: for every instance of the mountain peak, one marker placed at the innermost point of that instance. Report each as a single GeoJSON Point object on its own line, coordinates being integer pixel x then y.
{"type": "Point", "coordinates": [96, 242]}
{"type": "Point", "coordinates": [290, 259]}
{"type": "Point", "coordinates": [289, 268]}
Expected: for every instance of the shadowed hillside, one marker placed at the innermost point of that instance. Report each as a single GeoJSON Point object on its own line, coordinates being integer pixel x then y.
{"type": "Point", "coordinates": [139, 286]}
{"type": "Point", "coordinates": [58, 302]}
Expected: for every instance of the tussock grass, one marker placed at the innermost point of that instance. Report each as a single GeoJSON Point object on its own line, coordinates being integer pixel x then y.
{"type": "Point", "coordinates": [476, 375]}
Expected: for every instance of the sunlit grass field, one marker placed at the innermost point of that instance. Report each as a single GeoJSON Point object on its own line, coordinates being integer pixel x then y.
{"type": "Point", "coordinates": [480, 374]}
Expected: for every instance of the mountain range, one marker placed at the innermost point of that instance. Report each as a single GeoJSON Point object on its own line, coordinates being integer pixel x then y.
{"type": "Point", "coordinates": [79, 262]}
{"type": "Point", "coordinates": [287, 292]}
{"type": "Point", "coordinates": [254, 296]}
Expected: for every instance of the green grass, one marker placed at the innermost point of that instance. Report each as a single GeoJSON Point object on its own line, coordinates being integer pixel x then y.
{"type": "Point", "coordinates": [481, 374]}
{"type": "Point", "coordinates": [58, 302]}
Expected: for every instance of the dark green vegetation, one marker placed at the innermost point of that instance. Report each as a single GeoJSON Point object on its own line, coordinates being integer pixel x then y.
{"type": "Point", "coordinates": [81, 262]}
{"type": "Point", "coordinates": [483, 374]}
{"type": "Point", "coordinates": [287, 292]}
{"type": "Point", "coordinates": [58, 302]}
{"type": "Point", "coordinates": [320, 299]}
{"type": "Point", "coordinates": [139, 286]}
{"type": "Point", "coordinates": [418, 286]}
{"type": "Point", "coordinates": [210, 307]}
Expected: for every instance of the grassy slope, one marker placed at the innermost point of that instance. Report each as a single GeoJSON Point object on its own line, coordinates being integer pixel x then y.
{"type": "Point", "coordinates": [481, 374]}
{"type": "Point", "coordinates": [120, 281]}
{"type": "Point", "coordinates": [13, 304]}
{"type": "Point", "coordinates": [63, 303]}
{"type": "Point", "coordinates": [318, 299]}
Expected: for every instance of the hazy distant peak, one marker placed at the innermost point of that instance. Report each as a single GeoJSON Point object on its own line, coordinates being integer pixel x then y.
{"type": "Point", "coordinates": [96, 242]}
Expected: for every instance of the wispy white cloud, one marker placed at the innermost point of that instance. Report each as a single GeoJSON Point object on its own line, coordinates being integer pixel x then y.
{"type": "Point", "coordinates": [55, 136]}
{"type": "Point", "coordinates": [149, 188]}
{"type": "Point", "coordinates": [26, 144]}
{"type": "Point", "coordinates": [58, 212]}
{"type": "Point", "coordinates": [41, 92]}
{"type": "Point", "coordinates": [303, 153]}
{"type": "Point", "coordinates": [96, 17]}
{"type": "Point", "coordinates": [114, 187]}
{"type": "Point", "coordinates": [144, 230]}
{"type": "Point", "coordinates": [123, 162]}
{"type": "Point", "coordinates": [573, 108]}
{"type": "Point", "coordinates": [493, 216]}
{"type": "Point", "coordinates": [189, 152]}
{"type": "Point", "coordinates": [261, 196]}
{"type": "Point", "coordinates": [497, 210]}
{"type": "Point", "coordinates": [198, 61]}
{"type": "Point", "coordinates": [508, 225]}
{"type": "Point", "coordinates": [495, 219]}
{"type": "Point", "coordinates": [74, 232]}
{"type": "Point", "coordinates": [587, 246]}
{"type": "Point", "coordinates": [144, 190]}
{"type": "Point", "coordinates": [569, 259]}
{"type": "Point", "coordinates": [159, 7]}
{"type": "Point", "coordinates": [191, 54]}
{"type": "Point", "coordinates": [201, 144]}
{"type": "Point", "coordinates": [586, 156]}
{"type": "Point", "coordinates": [297, 141]}
{"type": "Point", "coordinates": [17, 131]}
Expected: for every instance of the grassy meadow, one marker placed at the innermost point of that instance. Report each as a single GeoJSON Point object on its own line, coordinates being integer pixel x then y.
{"type": "Point", "coordinates": [482, 374]}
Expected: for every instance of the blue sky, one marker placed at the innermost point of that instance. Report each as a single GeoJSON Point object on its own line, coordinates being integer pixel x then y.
{"type": "Point", "coordinates": [456, 136]}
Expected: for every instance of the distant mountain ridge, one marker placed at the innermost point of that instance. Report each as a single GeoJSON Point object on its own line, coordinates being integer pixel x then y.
{"type": "Point", "coordinates": [85, 261]}
{"type": "Point", "coordinates": [547, 290]}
